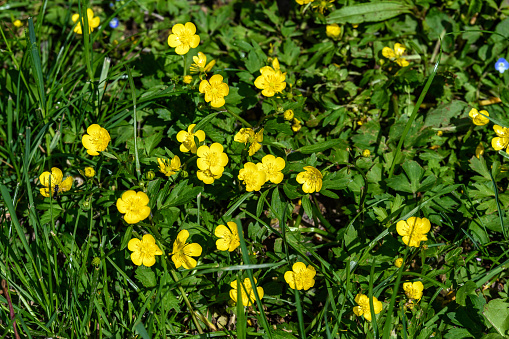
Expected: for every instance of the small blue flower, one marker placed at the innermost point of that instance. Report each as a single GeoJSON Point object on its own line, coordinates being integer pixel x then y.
{"type": "Point", "coordinates": [114, 23]}
{"type": "Point", "coordinates": [502, 65]}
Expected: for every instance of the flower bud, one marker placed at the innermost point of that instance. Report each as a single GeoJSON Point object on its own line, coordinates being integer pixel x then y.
{"type": "Point", "coordinates": [366, 153]}
{"type": "Point", "coordinates": [96, 261]}
{"type": "Point", "coordinates": [150, 175]}
{"type": "Point", "coordinates": [188, 79]}
{"type": "Point", "coordinates": [85, 205]}
{"type": "Point", "coordinates": [288, 115]}
{"type": "Point", "coordinates": [89, 172]}
{"type": "Point", "coordinates": [184, 174]}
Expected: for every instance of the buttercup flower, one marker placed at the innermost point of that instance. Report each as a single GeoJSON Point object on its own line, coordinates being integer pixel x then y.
{"type": "Point", "coordinates": [301, 277]}
{"type": "Point", "coordinates": [333, 31]}
{"type": "Point", "coordinates": [398, 51]}
{"type": "Point", "coordinates": [363, 309]}
{"type": "Point", "coordinates": [215, 90]}
{"type": "Point", "coordinates": [303, 2]}
{"type": "Point", "coordinates": [272, 80]}
{"type": "Point", "coordinates": [243, 135]}
{"type": "Point", "coordinates": [413, 290]}
{"type": "Point", "coordinates": [169, 168]}
{"type": "Point", "coordinates": [89, 172]}
{"type": "Point", "coordinates": [182, 253]}
{"type": "Point", "coordinates": [207, 177]}
{"type": "Point", "coordinates": [413, 230]}
{"type": "Point", "coordinates": [57, 184]}
{"type": "Point", "coordinates": [96, 140]}
{"type": "Point", "coordinates": [288, 114]}
{"type": "Point", "coordinates": [212, 158]}
{"type": "Point", "coordinates": [501, 65]}
{"type": "Point", "coordinates": [246, 135]}
{"type": "Point", "coordinates": [398, 262]}
{"type": "Point", "coordinates": [200, 64]}
{"type": "Point", "coordinates": [93, 22]}
{"type": "Point", "coordinates": [479, 119]}
{"type": "Point", "coordinates": [134, 206]}
{"type": "Point", "coordinates": [229, 237]}
{"type": "Point", "coordinates": [253, 177]}
{"type": "Point", "coordinates": [311, 179]}
{"type": "Point", "coordinates": [17, 23]}
{"type": "Point", "coordinates": [183, 38]}
{"type": "Point", "coordinates": [296, 126]}
{"type": "Point", "coordinates": [366, 153]}
{"type": "Point", "coordinates": [246, 290]}
{"type": "Point", "coordinates": [272, 167]}
{"type": "Point", "coordinates": [187, 79]}
{"type": "Point", "coordinates": [144, 251]}
{"type": "Point", "coordinates": [187, 139]}
{"type": "Point", "coordinates": [502, 140]}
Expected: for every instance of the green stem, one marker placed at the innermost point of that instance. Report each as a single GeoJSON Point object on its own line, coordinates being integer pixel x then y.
{"type": "Point", "coordinates": [183, 294]}
{"type": "Point", "coordinates": [236, 116]}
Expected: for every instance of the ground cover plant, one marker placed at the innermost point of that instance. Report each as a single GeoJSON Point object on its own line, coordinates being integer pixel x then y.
{"type": "Point", "coordinates": [272, 169]}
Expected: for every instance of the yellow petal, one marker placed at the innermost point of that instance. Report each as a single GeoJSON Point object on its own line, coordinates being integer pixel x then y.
{"type": "Point", "coordinates": [193, 250]}
{"type": "Point", "coordinates": [137, 258]}
{"type": "Point", "coordinates": [388, 53]}
{"type": "Point", "coordinates": [133, 244]}
{"type": "Point", "coordinates": [399, 49]}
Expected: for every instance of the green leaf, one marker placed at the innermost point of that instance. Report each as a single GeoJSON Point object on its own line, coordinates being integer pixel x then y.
{"type": "Point", "coordinates": [306, 203]}
{"type": "Point", "coordinates": [479, 165]}
{"type": "Point", "coordinates": [146, 276]}
{"type": "Point", "coordinates": [442, 115]}
{"type": "Point", "coordinates": [468, 288]}
{"type": "Point", "coordinates": [497, 313]}
{"type": "Point", "coordinates": [368, 12]}
{"type": "Point", "coordinates": [319, 147]}
{"type": "Point", "coordinates": [181, 194]}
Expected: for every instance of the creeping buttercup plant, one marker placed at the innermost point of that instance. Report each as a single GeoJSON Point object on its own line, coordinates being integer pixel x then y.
{"type": "Point", "coordinates": [298, 169]}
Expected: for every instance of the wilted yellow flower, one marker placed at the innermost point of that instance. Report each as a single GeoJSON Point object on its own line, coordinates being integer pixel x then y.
{"type": "Point", "coordinates": [215, 90]}
{"type": "Point", "coordinates": [288, 114]}
{"type": "Point", "coordinates": [144, 251]}
{"type": "Point", "coordinates": [17, 23]}
{"type": "Point", "coordinates": [479, 150]}
{"type": "Point", "coordinates": [182, 253]}
{"type": "Point", "coordinates": [54, 183]}
{"type": "Point", "coordinates": [322, 5]}
{"type": "Point", "coordinates": [333, 31]}
{"type": "Point", "coordinates": [272, 80]}
{"type": "Point", "coordinates": [296, 126]}
{"type": "Point", "coordinates": [183, 38]}
{"type": "Point", "coordinates": [93, 22]}
{"type": "Point", "coordinates": [89, 172]}
{"type": "Point", "coordinates": [134, 206]}
{"type": "Point", "coordinates": [212, 158]}
{"type": "Point", "coordinates": [440, 133]}
{"type": "Point", "coordinates": [229, 237]}
{"type": "Point", "coordinates": [187, 139]}
{"type": "Point", "coordinates": [311, 179]}
{"type": "Point", "coordinates": [502, 140]}
{"type": "Point", "coordinates": [252, 176]}
{"type": "Point", "coordinates": [479, 119]}
{"type": "Point", "coordinates": [246, 291]}
{"type": "Point", "coordinates": [246, 135]}
{"type": "Point", "coordinates": [413, 290]}
{"type": "Point", "coordinates": [200, 64]}
{"type": "Point", "coordinates": [96, 140]}
{"type": "Point", "coordinates": [169, 168]}
{"type": "Point", "coordinates": [413, 230]}
{"type": "Point", "coordinates": [301, 277]}
{"type": "Point", "coordinates": [366, 153]}
{"type": "Point", "coordinates": [187, 79]}
{"type": "Point", "coordinates": [272, 167]}
{"type": "Point", "coordinates": [398, 262]}
{"type": "Point", "coordinates": [398, 51]}
{"type": "Point", "coordinates": [363, 309]}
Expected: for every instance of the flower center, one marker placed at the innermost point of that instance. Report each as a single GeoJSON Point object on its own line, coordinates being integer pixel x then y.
{"type": "Point", "coordinates": [184, 37]}
{"type": "Point", "coordinates": [501, 67]}
{"type": "Point", "coordinates": [211, 158]}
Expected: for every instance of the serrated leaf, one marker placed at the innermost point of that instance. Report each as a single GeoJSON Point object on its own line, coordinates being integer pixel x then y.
{"type": "Point", "coordinates": [146, 276]}
{"type": "Point", "coordinates": [368, 12]}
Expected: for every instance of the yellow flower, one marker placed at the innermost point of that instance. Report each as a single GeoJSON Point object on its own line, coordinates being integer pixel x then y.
{"type": "Point", "coordinates": [18, 23]}
{"type": "Point", "coordinates": [183, 38]}
{"type": "Point", "coordinates": [296, 126]}
{"type": "Point", "coordinates": [93, 22]}
{"type": "Point", "coordinates": [212, 158]}
{"type": "Point", "coordinates": [89, 172]}
{"type": "Point", "coordinates": [144, 251]}
{"type": "Point", "coordinates": [272, 80]}
{"type": "Point", "coordinates": [333, 31]}
{"type": "Point", "coordinates": [246, 135]}
{"type": "Point", "coordinates": [303, 2]}
{"type": "Point", "coordinates": [398, 51]}
{"type": "Point", "coordinates": [311, 179]}
{"type": "Point", "coordinates": [169, 168]}
{"type": "Point", "coordinates": [413, 230]}
{"type": "Point", "coordinates": [246, 291]}
{"type": "Point", "coordinates": [207, 177]}
{"type": "Point", "coordinates": [413, 290]}
{"type": "Point", "coordinates": [200, 64]}
{"type": "Point", "coordinates": [182, 252]}
{"type": "Point", "coordinates": [96, 140]}
{"type": "Point", "coordinates": [187, 79]}
{"type": "Point", "coordinates": [363, 309]}
{"type": "Point", "coordinates": [187, 139]}
{"type": "Point", "coordinates": [57, 184]}
{"type": "Point", "coordinates": [479, 119]}
{"type": "Point", "coordinates": [215, 90]}
{"type": "Point", "coordinates": [272, 167]}
{"type": "Point", "coordinates": [479, 150]}
{"type": "Point", "coordinates": [253, 177]}
{"type": "Point", "coordinates": [229, 237]}
{"type": "Point", "coordinates": [288, 114]}
{"type": "Point", "coordinates": [301, 277]}
{"type": "Point", "coordinates": [366, 153]}
{"type": "Point", "coordinates": [502, 141]}
{"type": "Point", "coordinates": [398, 262]}
{"type": "Point", "coordinates": [134, 206]}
